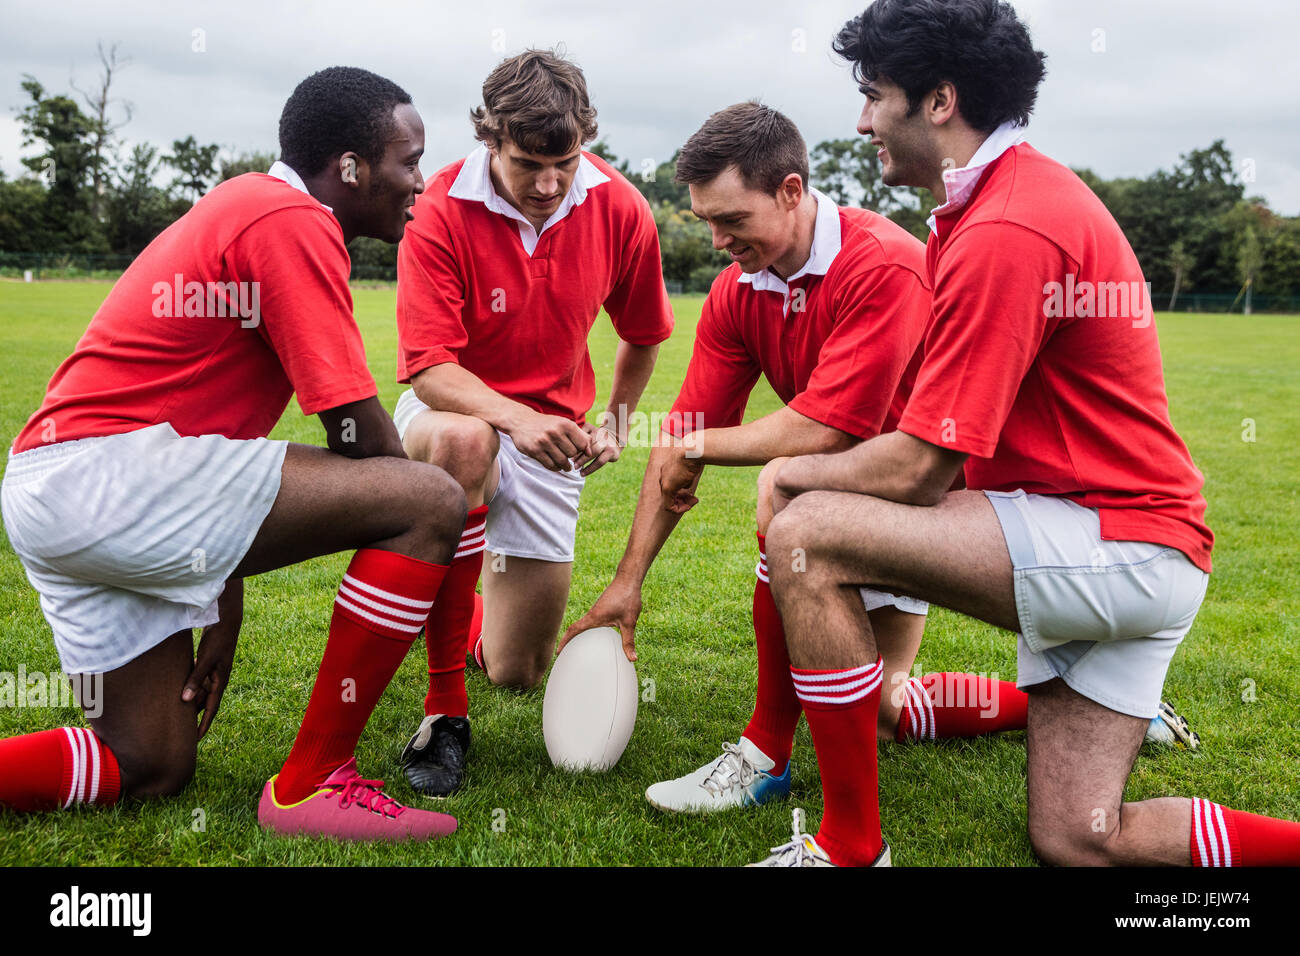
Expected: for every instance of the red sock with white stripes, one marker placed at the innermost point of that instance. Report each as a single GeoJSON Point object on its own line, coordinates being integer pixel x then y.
{"type": "Point", "coordinates": [1224, 837]}
{"type": "Point", "coordinates": [937, 706]}
{"type": "Point", "coordinates": [382, 602]}
{"type": "Point", "coordinates": [776, 707]}
{"type": "Point", "coordinates": [448, 631]}
{"type": "Point", "coordinates": [842, 707]}
{"type": "Point", "coordinates": [55, 769]}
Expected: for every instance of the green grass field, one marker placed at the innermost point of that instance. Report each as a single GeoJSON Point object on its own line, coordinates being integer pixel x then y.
{"type": "Point", "coordinates": [962, 803]}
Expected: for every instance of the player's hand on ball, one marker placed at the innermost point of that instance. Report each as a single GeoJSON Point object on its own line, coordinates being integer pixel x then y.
{"type": "Point", "coordinates": [604, 448]}
{"type": "Point", "coordinates": [618, 607]}
{"type": "Point", "coordinates": [552, 440]}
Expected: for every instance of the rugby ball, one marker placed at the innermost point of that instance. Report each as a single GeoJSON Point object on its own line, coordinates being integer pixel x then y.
{"type": "Point", "coordinates": [590, 704]}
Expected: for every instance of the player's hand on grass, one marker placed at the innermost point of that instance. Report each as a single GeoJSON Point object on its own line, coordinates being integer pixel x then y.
{"type": "Point", "coordinates": [216, 655]}
{"type": "Point", "coordinates": [618, 607]}
{"type": "Point", "coordinates": [604, 447]}
{"type": "Point", "coordinates": [677, 480]}
{"type": "Point", "coordinates": [552, 440]}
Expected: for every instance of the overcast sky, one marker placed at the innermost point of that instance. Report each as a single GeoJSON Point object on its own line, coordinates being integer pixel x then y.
{"type": "Point", "coordinates": [1131, 84]}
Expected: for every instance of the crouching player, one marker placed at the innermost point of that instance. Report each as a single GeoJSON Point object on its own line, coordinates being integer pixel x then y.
{"type": "Point", "coordinates": [144, 489]}
{"type": "Point", "coordinates": [513, 252]}
{"type": "Point", "coordinates": [1083, 526]}
{"type": "Point", "coordinates": [830, 305]}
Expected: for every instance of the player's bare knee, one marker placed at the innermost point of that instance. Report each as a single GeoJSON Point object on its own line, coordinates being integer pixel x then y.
{"type": "Point", "coordinates": [438, 502]}
{"type": "Point", "coordinates": [766, 485]}
{"type": "Point", "coordinates": [162, 773]}
{"type": "Point", "coordinates": [887, 721]}
{"type": "Point", "coordinates": [466, 449]}
{"type": "Point", "coordinates": [792, 566]}
{"type": "Point", "coordinates": [1074, 838]}
{"type": "Point", "coordinates": [517, 675]}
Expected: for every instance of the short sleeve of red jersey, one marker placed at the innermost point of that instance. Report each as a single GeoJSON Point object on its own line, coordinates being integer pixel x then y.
{"type": "Point", "coordinates": [989, 322]}
{"type": "Point", "coordinates": [638, 303]}
{"type": "Point", "coordinates": [880, 317]}
{"type": "Point", "coordinates": [720, 377]}
{"type": "Point", "coordinates": [305, 305]}
{"type": "Point", "coordinates": [430, 299]}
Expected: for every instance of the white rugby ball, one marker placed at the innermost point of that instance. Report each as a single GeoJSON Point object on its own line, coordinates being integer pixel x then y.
{"type": "Point", "coordinates": [590, 704]}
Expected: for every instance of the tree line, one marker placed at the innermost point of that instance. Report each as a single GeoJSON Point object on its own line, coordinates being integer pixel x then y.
{"type": "Point", "coordinates": [1193, 227]}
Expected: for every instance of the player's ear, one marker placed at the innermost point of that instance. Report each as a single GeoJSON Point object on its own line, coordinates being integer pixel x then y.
{"type": "Point", "coordinates": [348, 168]}
{"type": "Point", "coordinates": [941, 104]}
{"type": "Point", "coordinates": [791, 190]}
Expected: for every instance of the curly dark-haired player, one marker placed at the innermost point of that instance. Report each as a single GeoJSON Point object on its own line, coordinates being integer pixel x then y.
{"type": "Point", "coordinates": [1082, 528]}
{"type": "Point", "coordinates": [513, 252]}
{"type": "Point", "coordinates": [144, 489]}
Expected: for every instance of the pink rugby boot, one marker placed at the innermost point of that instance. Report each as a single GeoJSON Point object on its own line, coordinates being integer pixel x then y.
{"type": "Point", "coordinates": [347, 807]}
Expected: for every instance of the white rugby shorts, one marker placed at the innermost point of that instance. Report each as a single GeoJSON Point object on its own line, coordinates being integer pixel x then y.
{"type": "Point", "coordinates": [130, 538]}
{"type": "Point", "coordinates": [534, 512]}
{"type": "Point", "coordinates": [1104, 616]}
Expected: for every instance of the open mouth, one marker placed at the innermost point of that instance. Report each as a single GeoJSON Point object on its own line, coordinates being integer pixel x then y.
{"type": "Point", "coordinates": [738, 254]}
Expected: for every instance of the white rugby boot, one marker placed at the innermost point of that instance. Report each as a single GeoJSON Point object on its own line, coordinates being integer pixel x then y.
{"type": "Point", "coordinates": [741, 777]}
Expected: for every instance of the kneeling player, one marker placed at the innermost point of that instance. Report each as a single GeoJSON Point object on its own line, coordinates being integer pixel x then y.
{"type": "Point", "coordinates": [145, 490]}
{"type": "Point", "coordinates": [513, 252]}
{"type": "Point", "coordinates": [1083, 528]}
{"type": "Point", "coordinates": [831, 306]}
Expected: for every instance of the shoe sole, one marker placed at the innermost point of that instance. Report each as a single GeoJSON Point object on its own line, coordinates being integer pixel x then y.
{"type": "Point", "coordinates": [705, 810]}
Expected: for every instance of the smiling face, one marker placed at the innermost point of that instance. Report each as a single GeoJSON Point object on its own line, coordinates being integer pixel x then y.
{"type": "Point", "coordinates": [908, 151]}
{"type": "Point", "coordinates": [388, 188]}
{"type": "Point", "coordinates": [754, 228]}
{"type": "Point", "coordinates": [533, 183]}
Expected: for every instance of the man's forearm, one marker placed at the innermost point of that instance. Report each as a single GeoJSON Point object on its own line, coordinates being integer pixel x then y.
{"type": "Point", "coordinates": [450, 388]}
{"type": "Point", "coordinates": [633, 366]}
{"type": "Point", "coordinates": [895, 466]}
{"type": "Point", "coordinates": [651, 525]}
{"type": "Point", "coordinates": [783, 434]}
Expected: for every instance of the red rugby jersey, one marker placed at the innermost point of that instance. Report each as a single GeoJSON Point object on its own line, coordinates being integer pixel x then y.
{"type": "Point", "coordinates": [847, 359]}
{"type": "Point", "coordinates": [468, 292]}
{"type": "Point", "coordinates": [1042, 361]}
{"type": "Point", "coordinates": [233, 308]}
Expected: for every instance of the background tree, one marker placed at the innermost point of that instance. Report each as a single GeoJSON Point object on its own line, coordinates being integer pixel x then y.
{"type": "Point", "coordinates": [249, 162]}
{"type": "Point", "coordinates": [65, 164]}
{"type": "Point", "coordinates": [104, 130]}
{"type": "Point", "coordinates": [195, 166]}
{"type": "Point", "coordinates": [848, 170]}
{"type": "Point", "coordinates": [24, 226]}
{"type": "Point", "coordinates": [1181, 262]}
{"type": "Point", "coordinates": [137, 208]}
{"type": "Point", "coordinates": [1279, 272]}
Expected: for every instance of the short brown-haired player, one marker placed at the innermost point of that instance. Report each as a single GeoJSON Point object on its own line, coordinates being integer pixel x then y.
{"type": "Point", "coordinates": [513, 252]}
{"type": "Point", "coordinates": [830, 304]}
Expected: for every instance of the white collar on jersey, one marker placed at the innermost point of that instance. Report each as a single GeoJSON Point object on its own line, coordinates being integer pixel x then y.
{"type": "Point", "coordinates": [286, 173]}
{"type": "Point", "coordinates": [960, 183]}
{"type": "Point", "coordinates": [474, 182]}
{"type": "Point", "coordinates": [825, 247]}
